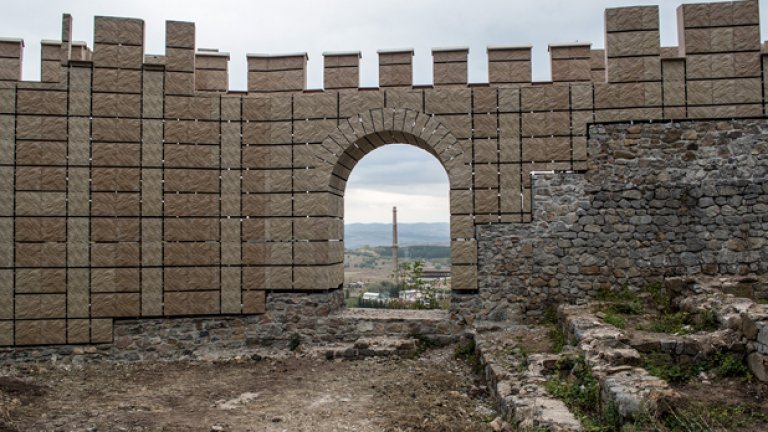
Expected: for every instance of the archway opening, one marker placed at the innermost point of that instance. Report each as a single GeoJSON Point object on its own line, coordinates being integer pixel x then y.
{"type": "Point", "coordinates": [409, 269]}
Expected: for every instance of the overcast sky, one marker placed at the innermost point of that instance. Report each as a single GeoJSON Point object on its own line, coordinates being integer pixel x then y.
{"type": "Point", "coordinates": [240, 27]}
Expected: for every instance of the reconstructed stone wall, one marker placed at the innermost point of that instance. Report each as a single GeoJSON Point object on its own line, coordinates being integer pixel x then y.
{"type": "Point", "coordinates": [659, 201]}
{"type": "Point", "coordinates": [137, 186]}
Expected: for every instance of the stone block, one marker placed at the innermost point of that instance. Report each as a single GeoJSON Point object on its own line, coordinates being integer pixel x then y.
{"type": "Point", "coordinates": [571, 70]}
{"type": "Point", "coordinates": [10, 69]}
{"type": "Point", "coordinates": [634, 69]}
{"type": "Point", "coordinates": [318, 204]}
{"type": "Point", "coordinates": [191, 156]}
{"type": "Point", "coordinates": [41, 281]}
{"type": "Point", "coordinates": [101, 331]}
{"type": "Point", "coordinates": [191, 180]}
{"type": "Point", "coordinates": [396, 98]}
{"type": "Point", "coordinates": [78, 293]}
{"type": "Point", "coordinates": [486, 150]}
{"type": "Point", "coordinates": [546, 149]}
{"type": "Point", "coordinates": [191, 303]}
{"type": "Point", "coordinates": [271, 253]}
{"type": "Point", "coordinates": [461, 202]}
{"type": "Point", "coordinates": [462, 227]}
{"type": "Point", "coordinates": [317, 228]}
{"type": "Point", "coordinates": [546, 124]}
{"type": "Point", "coordinates": [230, 290]}
{"type": "Point", "coordinates": [180, 34]}
{"type": "Point", "coordinates": [260, 278]}
{"type": "Point", "coordinates": [6, 333]}
{"type": "Point", "coordinates": [545, 98]}
{"type": "Point", "coordinates": [115, 179]}
{"type": "Point", "coordinates": [312, 278]}
{"type": "Point", "coordinates": [40, 306]}
{"type": "Point", "coordinates": [254, 302]}
{"type": "Point", "coordinates": [78, 331]}
{"type": "Point", "coordinates": [486, 201]}
{"type": "Point", "coordinates": [36, 229]}
{"type": "Point", "coordinates": [265, 181]}
{"type": "Point", "coordinates": [115, 204]}
{"type": "Point", "coordinates": [313, 131]}
{"type": "Point", "coordinates": [449, 101]}
{"type": "Point", "coordinates": [115, 305]}
{"type": "Point", "coordinates": [463, 277]}
{"type": "Point", "coordinates": [41, 128]}
{"type": "Point", "coordinates": [40, 332]}
{"type": "Point", "coordinates": [117, 81]}
{"type": "Point", "coordinates": [266, 205]}
{"type": "Point", "coordinates": [395, 68]}
{"type": "Point", "coordinates": [41, 102]}
{"type": "Point", "coordinates": [318, 253]}
{"type": "Point", "coordinates": [151, 291]}
{"type": "Point", "coordinates": [191, 278]}
{"type": "Point", "coordinates": [463, 252]}
{"type": "Point", "coordinates": [632, 18]}
{"type": "Point", "coordinates": [112, 30]}
{"type": "Point", "coordinates": [185, 254]}
{"type": "Point", "coordinates": [190, 229]}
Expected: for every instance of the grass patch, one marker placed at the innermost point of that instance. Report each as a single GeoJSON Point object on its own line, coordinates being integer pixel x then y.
{"type": "Point", "coordinates": [707, 418]}
{"type": "Point", "coordinates": [558, 338]}
{"type": "Point", "coordinates": [720, 365]}
{"type": "Point", "coordinates": [682, 323]}
{"type": "Point", "coordinates": [579, 390]}
{"type": "Point", "coordinates": [615, 320]}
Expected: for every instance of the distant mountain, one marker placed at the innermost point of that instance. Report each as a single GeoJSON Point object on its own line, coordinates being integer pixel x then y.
{"type": "Point", "coordinates": [409, 234]}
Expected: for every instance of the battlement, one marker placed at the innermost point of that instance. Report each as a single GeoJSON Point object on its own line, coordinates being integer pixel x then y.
{"type": "Point", "coordinates": [717, 41]}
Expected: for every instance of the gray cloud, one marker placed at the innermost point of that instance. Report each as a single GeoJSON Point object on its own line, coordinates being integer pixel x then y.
{"type": "Point", "coordinates": [400, 168]}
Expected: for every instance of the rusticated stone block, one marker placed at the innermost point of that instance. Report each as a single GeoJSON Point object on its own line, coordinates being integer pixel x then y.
{"type": "Point", "coordinates": [191, 278]}
{"type": "Point", "coordinates": [267, 205]}
{"type": "Point", "coordinates": [41, 332]}
{"type": "Point", "coordinates": [463, 277]}
{"type": "Point", "coordinates": [395, 68]}
{"type": "Point", "coordinates": [37, 306]}
{"type": "Point", "coordinates": [114, 305]}
{"type": "Point", "coordinates": [191, 254]}
{"type": "Point", "coordinates": [261, 278]}
{"type": "Point", "coordinates": [254, 302]}
{"type": "Point", "coordinates": [192, 303]}
{"type": "Point", "coordinates": [191, 205]}
{"type": "Point", "coordinates": [273, 253]}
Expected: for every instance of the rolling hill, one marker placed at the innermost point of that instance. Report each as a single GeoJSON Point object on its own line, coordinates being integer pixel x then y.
{"type": "Point", "coordinates": [410, 234]}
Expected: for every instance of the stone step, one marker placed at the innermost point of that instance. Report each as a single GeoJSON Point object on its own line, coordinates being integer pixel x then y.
{"type": "Point", "coordinates": [379, 346]}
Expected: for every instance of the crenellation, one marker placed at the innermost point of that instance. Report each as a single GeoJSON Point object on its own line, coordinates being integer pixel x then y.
{"type": "Point", "coordinates": [395, 68]}
{"type": "Point", "coordinates": [11, 55]}
{"type": "Point", "coordinates": [571, 62]}
{"type": "Point", "coordinates": [276, 73]}
{"type": "Point", "coordinates": [341, 70]}
{"type": "Point", "coordinates": [450, 66]}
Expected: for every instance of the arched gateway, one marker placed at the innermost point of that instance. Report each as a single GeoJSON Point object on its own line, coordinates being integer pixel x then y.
{"type": "Point", "coordinates": [361, 133]}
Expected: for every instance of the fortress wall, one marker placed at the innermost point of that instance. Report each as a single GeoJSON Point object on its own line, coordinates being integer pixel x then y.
{"type": "Point", "coordinates": [136, 186]}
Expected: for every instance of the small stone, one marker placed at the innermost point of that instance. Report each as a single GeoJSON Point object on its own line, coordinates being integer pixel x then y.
{"type": "Point", "coordinates": [277, 419]}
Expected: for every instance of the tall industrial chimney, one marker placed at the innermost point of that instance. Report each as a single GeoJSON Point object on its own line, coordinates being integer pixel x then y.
{"type": "Point", "coordinates": [394, 245]}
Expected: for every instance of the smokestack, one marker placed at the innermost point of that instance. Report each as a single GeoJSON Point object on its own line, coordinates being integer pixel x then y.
{"type": "Point", "coordinates": [394, 244]}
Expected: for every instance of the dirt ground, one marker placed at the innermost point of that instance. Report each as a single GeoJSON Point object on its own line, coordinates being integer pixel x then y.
{"type": "Point", "coordinates": [434, 392]}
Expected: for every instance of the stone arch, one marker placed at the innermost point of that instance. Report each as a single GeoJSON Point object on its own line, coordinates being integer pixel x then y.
{"type": "Point", "coordinates": [362, 133]}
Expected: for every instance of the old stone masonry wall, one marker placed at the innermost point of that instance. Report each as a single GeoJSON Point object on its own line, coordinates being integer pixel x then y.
{"type": "Point", "coordinates": [660, 200]}
{"type": "Point", "coordinates": [138, 186]}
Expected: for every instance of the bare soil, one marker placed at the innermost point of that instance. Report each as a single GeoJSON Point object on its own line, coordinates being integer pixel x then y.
{"type": "Point", "coordinates": [434, 392]}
